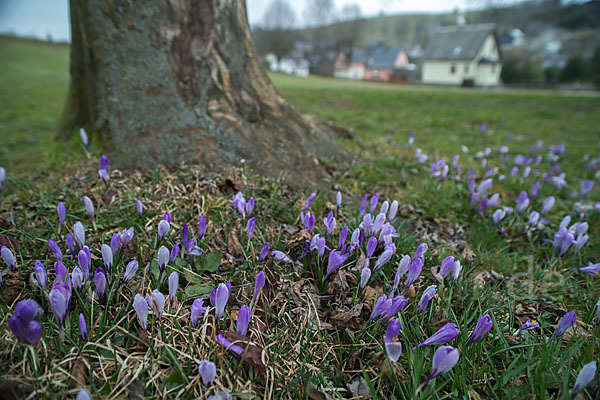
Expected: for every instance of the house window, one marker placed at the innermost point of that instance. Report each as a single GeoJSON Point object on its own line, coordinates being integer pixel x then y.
{"type": "Point", "coordinates": [467, 68]}
{"type": "Point", "coordinates": [453, 68]}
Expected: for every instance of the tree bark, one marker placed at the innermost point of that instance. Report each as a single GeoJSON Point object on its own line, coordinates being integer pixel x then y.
{"type": "Point", "coordinates": [166, 81]}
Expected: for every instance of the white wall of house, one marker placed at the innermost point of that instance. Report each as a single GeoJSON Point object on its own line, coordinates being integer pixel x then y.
{"type": "Point", "coordinates": [353, 72]}
{"type": "Point", "coordinates": [443, 73]}
{"type": "Point", "coordinates": [488, 74]}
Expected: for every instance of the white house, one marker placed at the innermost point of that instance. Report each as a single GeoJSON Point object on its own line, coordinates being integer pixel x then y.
{"type": "Point", "coordinates": [466, 55]}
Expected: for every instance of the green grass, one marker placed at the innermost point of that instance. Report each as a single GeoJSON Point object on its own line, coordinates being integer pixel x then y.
{"type": "Point", "coordinates": [123, 361]}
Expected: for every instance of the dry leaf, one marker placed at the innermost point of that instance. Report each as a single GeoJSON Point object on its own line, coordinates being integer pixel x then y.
{"type": "Point", "coordinates": [252, 353]}
{"type": "Point", "coordinates": [358, 386]}
{"type": "Point", "coordinates": [79, 373]}
{"type": "Point", "coordinates": [233, 245]}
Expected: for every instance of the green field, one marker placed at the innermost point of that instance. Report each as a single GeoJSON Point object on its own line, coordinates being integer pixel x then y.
{"type": "Point", "coordinates": [308, 325]}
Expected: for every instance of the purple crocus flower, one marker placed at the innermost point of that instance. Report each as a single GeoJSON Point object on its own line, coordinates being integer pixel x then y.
{"type": "Point", "coordinates": [197, 310]}
{"type": "Point", "coordinates": [115, 243]}
{"type": "Point", "coordinates": [104, 162]}
{"type": "Point", "coordinates": [580, 241]}
{"type": "Point", "coordinates": [22, 323]}
{"type": "Point", "coordinates": [173, 285]}
{"type": "Point", "coordinates": [250, 227]}
{"type": "Point", "coordinates": [139, 207]}
{"type": "Point", "coordinates": [484, 324]}
{"type": "Point", "coordinates": [175, 252]}
{"type": "Point", "coordinates": [342, 238]}
{"type": "Point", "coordinates": [444, 359]}
{"type": "Point", "coordinates": [89, 206]}
{"type": "Point", "coordinates": [163, 229]}
{"type": "Point", "coordinates": [414, 270]}
{"type": "Point", "coordinates": [591, 269]}
{"type": "Point", "coordinates": [385, 206]}
{"type": "Point", "coordinates": [71, 244]}
{"type": "Point", "coordinates": [403, 266]}
{"type": "Point", "coordinates": [100, 282]}
{"type": "Point", "coordinates": [263, 252]}
{"type": "Point", "coordinates": [84, 263]}
{"type": "Point", "coordinates": [548, 203]}
{"type": "Point", "coordinates": [59, 302]}
{"type": "Point", "coordinates": [336, 260]}
{"type": "Point", "coordinates": [62, 213]}
{"type": "Point", "coordinates": [259, 283]}
{"type": "Point", "coordinates": [393, 307]}
{"type": "Point", "coordinates": [8, 258]}
{"type": "Point", "coordinates": [55, 249]}
{"type": "Point", "coordinates": [392, 345]}
{"type": "Point", "coordinates": [567, 321]}
{"type": "Point", "coordinates": [365, 275]}
{"type": "Point", "coordinates": [445, 334]}
{"type": "Point", "coordinates": [83, 327]}
{"type": "Point", "coordinates": [83, 395]}
{"type": "Point", "coordinates": [562, 240]}
{"type": "Point", "coordinates": [79, 234]}
{"type": "Point", "coordinates": [338, 200]}
{"type": "Point", "coordinates": [374, 201]}
{"type": "Point", "coordinates": [280, 256]}
{"type": "Point", "coordinates": [208, 372]}
{"type": "Point", "coordinates": [586, 187]}
{"type": "Point", "coordinates": [309, 201]}
{"type": "Point", "coordinates": [60, 271]}
{"type": "Point", "coordinates": [329, 224]}
{"type": "Point", "coordinates": [383, 259]}
{"type": "Point", "coordinates": [456, 272]}
{"type": "Point", "coordinates": [392, 211]}
{"type": "Point", "coordinates": [156, 301]}
{"type": "Point", "coordinates": [107, 257]}
{"type": "Point", "coordinates": [40, 274]}
{"type": "Point", "coordinates": [534, 217]}
{"type": "Point", "coordinates": [77, 278]}
{"type": "Point", "coordinates": [447, 266]}
{"type": "Point", "coordinates": [584, 378]}
{"type": "Point", "coordinates": [221, 298]}
{"type": "Point", "coordinates": [201, 227]}
{"type": "Point", "coordinates": [498, 215]}
{"type": "Point", "coordinates": [380, 307]}
{"type": "Point", "coordinates": [529, 326]}
{"type": "Point", "coordinates": [371, 246]}
{"type": "Point", "coordinates": [428, 294]}
{"type": "Point", "coordinates": [378, 223]}
{"type": "Point", "coordinates": [522, 202]}
{"type": "Point", "coordinates": [249, 207]}
{"type": "Point", "coordinates": [535, 190]}
{"type": "Point", "coordinates": [363, 204]}
{"type": "Point", "coordinates": [243, 320]}
{"type": "Point", "coordinates": [163, 258]}
{"type": "Point", "coordinates": [140, 305]}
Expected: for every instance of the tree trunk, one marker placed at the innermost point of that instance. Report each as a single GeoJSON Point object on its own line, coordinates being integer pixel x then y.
{"type": "Point", "coordinates": [178, 80]}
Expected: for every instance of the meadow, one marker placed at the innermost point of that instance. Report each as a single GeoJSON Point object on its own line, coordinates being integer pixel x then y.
{"type": "Point", "coordinates": [460, 249]}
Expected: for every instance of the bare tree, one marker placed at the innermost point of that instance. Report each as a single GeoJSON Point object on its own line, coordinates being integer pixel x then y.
{"type": "Point", "coordinates": [276, 34]}
{"type": "Point", "coordinates": [319, 12]}
{"type": "Point", "coordinates": [351, 27]}
{"type": "Point", "coordinates": [279, 15]}
{"type": "Point", "coordinates": [174, 81]}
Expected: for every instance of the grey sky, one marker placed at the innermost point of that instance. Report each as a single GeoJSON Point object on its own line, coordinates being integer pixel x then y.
{"type": "Point", "coordinates": [40, 18]}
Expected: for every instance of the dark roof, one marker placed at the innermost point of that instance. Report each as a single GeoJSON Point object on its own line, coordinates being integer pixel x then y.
{"type": "Point", "coordinates": [458, 42]}
{"type": "Point", "coordinates": [382, 57]}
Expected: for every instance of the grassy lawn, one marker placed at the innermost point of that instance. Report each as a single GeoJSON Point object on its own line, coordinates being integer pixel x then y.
{"type": "Point", "coordinates": [310, 335]}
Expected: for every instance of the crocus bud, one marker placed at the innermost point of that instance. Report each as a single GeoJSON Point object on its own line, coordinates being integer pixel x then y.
{"type": "Point", "coordinates": [201, 227]}
{"type": "Point", "coordinates": [156, 301]}
{"type": "Point", "coordinates": [498, 215]}
{"type": "Point", "coordinates": [22, 323]}
{"type": "Point", "coordinates": [163, 229]}
{"type": "Point", "coordinates": [71, 244]}
{"type": "Point", "coordinates": [141, 309]}
{"type": "Point", "coordinates": [393, 347]}
{"type": "Point", "coordinates": [83, 395]}
{"type": "Point", "coordinates": [62, 213]}
{"type": "Point", "coordinates": [336, 260]}
{"type": "Point", "coordinates": [567, 321]}
{"type": "Point", "coordinates": [197, 310]}
{"type": "Point", "coordinates": [8, 258]}
{"type": "Point", "coordinates": [89, 206]}
{"type": "Point", "coordinates": [130, 270]}
{"type": "Point", "coordinates": [365, 275]}
{"type": "Point", "coordinates": [250, 227]}
{"type": "Point", "coordinates": [338, 199]}
{"type": "Point", "coordinates": [548, 203]}
{"type": "Point", "coordinates": [445, 334]}
{"type": "Point", "coordinates": [309, 201]}
{"type": "Point", "coordinates": [100, 282]}
{"type": "Point", "coordinates": [83, 327]}
{"type": "Point", "coordinates": [60, 271]}
{"type": "Point", "coordinates": [79, 233]}
{"type": "Point", "coordinates": [84, 263]}
{"type": "Point", "coordinates": [55, 249]}
{"type": "Point", "coordinates": [456, 271]}
{"type": "Point", "coordinates": [174, 252]}
{"type": "Point", "coordinates": [421, 250]}
{"type": "Point", "coordinates": [40, 274]}
{"type": "Point", "coordinates": [374, 201]}
{"type": "Point", "coordinates": [414, 270]}
{"type": "Point", "coordinates": [173, 285]}
{"type": "Point", "coordinates": [329, 224]}
{"type": "Point", "coordinates": [522, 202]}
{"type": "Point", "coordinates": [444, 359]}
{"type": "Point", "coordinates": [385, 206]}
{"type": "Point", "coordinates": [115, 243]}
{"type": "Point", "coordinates": [77, 278]}
{"type": "Point", "coordinates": [263, 252]}
{"type": "Point", "coordinates": [428, 294]}
{"type": "Point", "coordinates": [104, 166]}
{"type": "Point", "coordinates": [481, 329]}
{"type": "Point", "coordinates": [208, 372]}
{"type": "Point", "coordinates": [380, 307]}
{"type": "Point", "coordinates": [139, 207]}
{"type": "Point", "coordinates": [586, 187]}
{"type": "Point", "coordinates": [58, 303]}
{"type": "Point", "coordinates": [383, 259]}
{"type": "Point", "coordinates": [84, 138]}
{"type": "Point", "coordinates": [249, 207]}
{"type": "Point", "coordinates": [371, 246]}
{"type": "Point", "coordinates": [243, 320]}
{"type": "Point", "coordinates": [259, 283]}
{"type": "Point", "coordinates": [447, 266]}
{"type": "Point", "coordinates": [586, 375]}
{"type": "Point", "coordinates": [163, 258]}
{"type": "Point", "coordinates": [392, 211]}
{"type": "Point", "coordinates": [221, 299]}
{"type": "Point", "coordinates": [107, 256]}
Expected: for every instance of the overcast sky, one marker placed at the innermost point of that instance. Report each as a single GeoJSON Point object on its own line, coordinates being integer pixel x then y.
{"type": "Point", "coordinates": [40, 18]}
